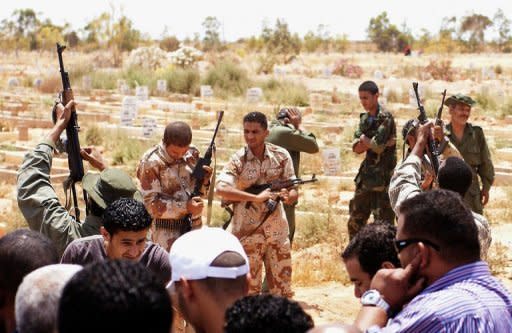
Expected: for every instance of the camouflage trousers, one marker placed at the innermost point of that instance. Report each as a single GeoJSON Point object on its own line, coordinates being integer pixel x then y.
{"type": "Point", "coordinates": [290, 217]}
{"type": "Point", "coordinates": [363, 204]}
{"type": "Point", "coordinates": [276, 256]}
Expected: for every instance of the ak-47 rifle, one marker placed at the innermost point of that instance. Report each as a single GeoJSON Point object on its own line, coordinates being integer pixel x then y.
{"type": "Point", "coordinates": [72, 145]}
{"type": "Point", "coordinates": [273, 186]}
{"type": "Point", "coordinates": [439, 121]}
{"type": "Point", "coordinates": [199, 173]}
{"type": "Point", "coordinates": [422, 117]}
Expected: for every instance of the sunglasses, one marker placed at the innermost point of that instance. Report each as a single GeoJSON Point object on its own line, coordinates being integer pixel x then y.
{"type": "Point", "coordinates": [402, 244]}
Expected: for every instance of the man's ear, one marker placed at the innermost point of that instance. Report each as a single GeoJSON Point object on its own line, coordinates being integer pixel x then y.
{"type": "Point", "coordinates": [105, 233]}
{"type": "Point", "coordinates": [187, 288]}
{"type": "Point", "coordinates": [387, 264]}
{"type": "Point", "coordinates": [425, 253]}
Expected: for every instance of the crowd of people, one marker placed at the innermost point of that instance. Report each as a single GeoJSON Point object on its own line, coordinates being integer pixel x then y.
{"type": "Point", "coordinates": [142, 261]}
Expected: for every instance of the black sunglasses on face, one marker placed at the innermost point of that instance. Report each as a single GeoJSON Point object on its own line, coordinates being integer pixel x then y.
{"type": "Point", "coordinates": [403, 243]}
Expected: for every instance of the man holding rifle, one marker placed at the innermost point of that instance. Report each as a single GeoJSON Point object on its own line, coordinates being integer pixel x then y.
{"type": "Point", "coordinates": [258, 222]}
{"type": "Point", "coordinates": [39, 203]}
{"type": "Point", "coordinates": [165, 174]}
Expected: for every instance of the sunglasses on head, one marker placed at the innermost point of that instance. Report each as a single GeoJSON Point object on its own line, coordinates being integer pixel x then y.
{"type": "Point", "coordinates": [403, 243]}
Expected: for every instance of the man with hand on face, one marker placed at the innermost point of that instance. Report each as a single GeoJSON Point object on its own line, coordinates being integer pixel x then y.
{"type": "Point", "coordinates": [287, 132]}
{"type": "Point", "coordinates": [444, 286]}
{"type": "Point", "coordinates": [165, 174]}
{"type": "Point", "coordinates": [262, 232]}
{"type": "Point", "coordinates": [123, 236]}
{"type": "Point", "coordinates": [471, 143]}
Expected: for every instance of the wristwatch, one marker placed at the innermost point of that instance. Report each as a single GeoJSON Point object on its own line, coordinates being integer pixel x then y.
{"type": "Point", "coordinates": [372, 297]}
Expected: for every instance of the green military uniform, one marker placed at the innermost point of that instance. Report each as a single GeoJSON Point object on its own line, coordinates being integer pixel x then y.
{"type": "Point", "coordinates": [40, 205]}
{"type": "Point", "coordinates": [475, 152]}
{"type": "Point", "coordinates": [295, 141]}
{"type": "Point", "coordinates": [375, 172]}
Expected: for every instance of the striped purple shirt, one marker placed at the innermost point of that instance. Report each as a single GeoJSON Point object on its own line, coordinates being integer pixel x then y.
{"type": "Point", "coordinates": [466, 299]}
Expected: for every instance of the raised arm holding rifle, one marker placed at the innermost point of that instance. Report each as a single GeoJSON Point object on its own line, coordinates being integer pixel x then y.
{"type": "Point", "coordinates": [37, 199]}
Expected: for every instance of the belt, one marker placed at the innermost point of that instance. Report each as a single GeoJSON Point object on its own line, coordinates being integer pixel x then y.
{"type": "Point", "coordinates": [177, 224]}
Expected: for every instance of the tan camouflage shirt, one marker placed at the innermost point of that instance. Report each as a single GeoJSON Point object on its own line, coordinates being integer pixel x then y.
{"type": "Point", "coordinates": [166, 183]}
{"type": "Point", "coordinates": [243, 170]}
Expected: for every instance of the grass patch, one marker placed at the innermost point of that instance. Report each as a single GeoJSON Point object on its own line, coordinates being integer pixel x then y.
{"type": "Point", "coordinates": [227, 79]}
{"type": "Point", "coordinates": [181, 80]}
{"type": "Point", "coordinates": [283, 92]}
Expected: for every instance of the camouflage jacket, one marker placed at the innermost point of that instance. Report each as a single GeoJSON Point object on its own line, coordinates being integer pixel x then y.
{"type": "Point", "coordinates": [40, 205]}
{"type": "Point", "coordinates": [380, 160]}
{"type": "Point", "coordinates": [243, 170]}
{"type": "Point", "coordinates": [167, 183]}
{"type": "Point", "coordinates": [475, 152]}
{"type": "Point", "coordinates": [293, 140]}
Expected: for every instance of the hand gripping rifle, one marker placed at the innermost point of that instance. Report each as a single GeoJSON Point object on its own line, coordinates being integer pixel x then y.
{"type": "Point", "coordinates": [75, 163]}
{"type": "Point", "coordinates": [422, 117]}
{"type": "Point", "coordinates": [271, 205]}
{"type": "Point", "coordinates": [199, 174]}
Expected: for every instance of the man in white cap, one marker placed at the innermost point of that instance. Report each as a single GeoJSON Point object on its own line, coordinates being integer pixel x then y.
{"type": "Point", "coordinates": [209, 273]}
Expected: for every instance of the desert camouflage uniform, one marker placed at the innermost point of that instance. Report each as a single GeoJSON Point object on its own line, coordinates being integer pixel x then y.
{"type": "Point", "coordinates": [375, 171]}
{"type": "Point", "coordinates": [475, 152]}
{"type": "Point", "coordinates": [166, 186]}
{"type": "Point", "coordinates": [268, 243]}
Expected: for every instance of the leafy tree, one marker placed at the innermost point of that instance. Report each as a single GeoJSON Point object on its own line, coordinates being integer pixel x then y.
{"type": "Point", "coordinates": [280, 41]}
{"type": "Point", "coordinates": [474, 26]}
{"type": "Point", "coordinates": [99, 29]}
{"type": "Point", "coordinates": [124, 36]}
{"type": "Point", "coordinates": [502, 24]}
{"type": "Point", "coordinates": [386, 35]}
{"type": "Point", "coordinates": [21, 28]}
{"type": "Point", "coordinates": [211, 39]}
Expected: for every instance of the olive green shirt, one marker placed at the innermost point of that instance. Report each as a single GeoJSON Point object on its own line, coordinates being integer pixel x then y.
{"type": "Point", "coordinates": [292, 139]}
{"type": "Point", "coordinates": [380, 160]}
{"type": "Point", "coordinates": [40, 205]}
{"type": "Point", "coordinates": [475, 152]}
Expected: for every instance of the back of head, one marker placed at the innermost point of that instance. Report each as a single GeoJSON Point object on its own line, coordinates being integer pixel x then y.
{"type": "Point", "coordinates": [256, 117]}
{"type": "Point", "coordinates": [40, 290]}
{"type": "Point", "coordinates": [455, 175]}
{"type": "Point", "coordinates": [441, 217]}
{"type": "Point", "coordinates": [232, 288]}
{"type": "Point", "coordinates": [409, 128]}
{"type": "Point", "coordinates": [114, 296]}
{"type": "Point", "coordinates": [267, 313]}
{"type": "Point", "coordinates": [372, 246]}
{"type": "Point", "coordinates": [126, 214]}
{"type": "Point", "coordinates": [21, 252]}
{"type": "Point", "coordinates": [369, 86]}
{"type": "Point", "coordinates": [177, 133]}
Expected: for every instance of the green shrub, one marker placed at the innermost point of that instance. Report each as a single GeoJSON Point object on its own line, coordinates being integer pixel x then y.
{"type": "Point", "coordinates": [181, 80]}
{"type": "Point", "coordinates": [285, 92]}
{"type": "Point", "coordinates": [102, 79]}
{"type": "Point", "coordinates": [137, 76]}
{"type": "Point", "coordinates": [227, 79]}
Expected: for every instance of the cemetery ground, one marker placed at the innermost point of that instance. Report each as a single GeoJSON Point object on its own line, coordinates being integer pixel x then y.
{"type": "Point", "coordinates": [126, 116]}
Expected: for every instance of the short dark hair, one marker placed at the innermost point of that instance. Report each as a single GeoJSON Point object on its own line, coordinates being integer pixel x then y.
{"type": "Point", "coordinates": [441, 217]}
{"type": "Point", "coordinates": [369, 86]}
{"type": "Point", "coordinates": [455, 175]}
{"type": "Point", "coordinates": [177, 133]}
{"type": "Point", "coordinates": [126, 214]}
{"type": "Point", "coordinates": [114, 296]}
{"type": "Point", "coordinates": [256, 117]}
{"type": "Point", "coordinates": [221, 287]}
{"type": "Point", "coordinates": [372, 246]}
{"type": "Point", "coordinates": [21, 252]}
{"type": "Point", "coordinates": [267, 313]}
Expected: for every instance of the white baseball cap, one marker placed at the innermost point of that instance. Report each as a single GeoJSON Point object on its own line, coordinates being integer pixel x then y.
{"type": "Point", "coordinates": [192, 254]}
